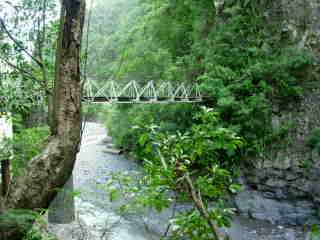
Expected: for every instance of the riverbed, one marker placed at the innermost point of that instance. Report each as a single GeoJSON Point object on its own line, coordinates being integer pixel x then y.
{"type": "Point", "coordinates": [97, 217]}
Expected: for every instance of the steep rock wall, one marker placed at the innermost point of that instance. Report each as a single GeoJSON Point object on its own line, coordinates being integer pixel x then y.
{"type": "Point", "coordinates": [301, 19]}
{"type": "Point", "coordinates": [284, 185]}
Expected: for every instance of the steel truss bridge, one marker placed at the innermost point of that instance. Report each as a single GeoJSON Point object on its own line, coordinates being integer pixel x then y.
{"type": "Point", "coordinates": [133, 92]}
{"type": "Point", "coordinates": [110, 92]}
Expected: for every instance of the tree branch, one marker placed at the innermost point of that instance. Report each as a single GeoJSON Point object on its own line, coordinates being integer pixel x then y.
{"type": "Point", "coordinates": [197, 201]}
{"type": "Point", "coordinates": [27, 74]}
{"type": "Point", "coordinates": [22, 71]}
{"type": "Point", "coordinates": [16, 42]}
{"type": "Point", "coordinates": [42, 41]}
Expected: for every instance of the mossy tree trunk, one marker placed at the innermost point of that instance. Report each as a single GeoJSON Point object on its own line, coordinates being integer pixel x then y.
{"type": "Point", "coordinates": [35, 188]}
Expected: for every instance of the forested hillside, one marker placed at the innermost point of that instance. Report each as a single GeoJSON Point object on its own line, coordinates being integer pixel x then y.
{"type": "Point", "coordinates": [245, 62]}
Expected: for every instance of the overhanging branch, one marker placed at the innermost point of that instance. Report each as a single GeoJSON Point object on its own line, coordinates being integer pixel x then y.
{"type": "Point", "coordinates": [16, 42]}
{"type": "Point", "coordinates": [22, 71]}
{"type": "Point", "coordinates": [27, 74]}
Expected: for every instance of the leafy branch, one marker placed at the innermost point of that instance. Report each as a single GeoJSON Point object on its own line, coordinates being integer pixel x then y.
{"type": "Point", "coordinates": [18, 44]}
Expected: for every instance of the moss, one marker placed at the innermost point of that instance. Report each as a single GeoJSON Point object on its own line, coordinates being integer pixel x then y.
{"type": "Point", "coordinates": [314, 140]}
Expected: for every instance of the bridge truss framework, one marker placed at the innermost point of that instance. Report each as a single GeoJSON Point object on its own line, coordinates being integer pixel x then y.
{"type": "Point", "coordinates": [111, 92]}
{"type": "Point", "coordinates": [133, 92]}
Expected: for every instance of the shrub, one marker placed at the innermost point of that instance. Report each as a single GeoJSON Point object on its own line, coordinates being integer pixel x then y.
{"type": "Point", "coordinates": [196, 161]}
{"type": "Point", "coordinates": [27, 143]}
{"type": "Point", "coordinates": [314, 140]}
{"type": "Point", "coordinates": [121, 120]}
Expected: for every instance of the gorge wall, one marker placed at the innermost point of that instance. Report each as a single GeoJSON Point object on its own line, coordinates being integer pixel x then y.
{"type": "Point", "coordinates": [283, 186]}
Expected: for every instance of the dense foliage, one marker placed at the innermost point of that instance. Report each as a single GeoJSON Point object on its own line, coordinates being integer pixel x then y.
{"type": "Point", "coordinates": [27, 143]}
{"type": "Point", "coordinates": [262, 77]}
{"type": "Point", "coordinates": [246, 64]}
{"type": "Point", "coordinates": [169, 117]}
{"type": "Point", "coordinates": [314, 140]}
{"type": "Point", "coordinates": [28, 33]}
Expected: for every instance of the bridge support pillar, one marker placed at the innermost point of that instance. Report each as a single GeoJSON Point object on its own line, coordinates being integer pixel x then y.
{"type": "Point", "coordinates": [62, 209]}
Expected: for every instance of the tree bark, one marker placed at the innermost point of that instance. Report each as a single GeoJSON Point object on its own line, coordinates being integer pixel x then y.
{"type": "Point", "coordinates": [35, 188]}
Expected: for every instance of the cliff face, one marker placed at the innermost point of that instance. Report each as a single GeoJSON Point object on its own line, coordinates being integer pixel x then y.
{"type": "Point", "coordinates": [301, 18]}
{"type": "Point", "coordinates": [301, 13]}
{"type": "Point", "coordinates": [284, 185]}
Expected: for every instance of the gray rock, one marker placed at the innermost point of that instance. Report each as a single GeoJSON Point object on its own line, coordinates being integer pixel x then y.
{"type": "Point", "coordinates": [283, 180]}
{"type": "Point", "coordinates": [253, 204]}
{"type": "Point", "coordinates": [282, 161]}
{"type": "Point", "coordinates": [276, 183]}
{"type": "Point", "coordinates": [291, 176]}
{"type": "Point", "coordinates": [290, 235]}
{"type": "Point", "coordinates": [267, 164]}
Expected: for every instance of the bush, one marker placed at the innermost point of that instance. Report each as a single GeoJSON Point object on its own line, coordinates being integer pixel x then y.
{"type": "Point", "coordinates": [247, 72]}
{"type": "Point", "coordinates": [91, 112]}
{"type": "Point", "coordinates": [122, 119]}
{"type": "Point", "coordinates": [314, 140]}
{"type": "Point", "coordinates": [196, 161]}
{"type": "Point", "coordinates": [27, 143]}
{"type": "Point", "coordinates": [36, 234]}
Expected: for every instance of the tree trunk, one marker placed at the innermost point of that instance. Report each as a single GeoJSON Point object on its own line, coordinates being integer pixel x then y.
{"type": "Point", "coordinates": [62, 210]}
{"type": "Point", "coordinates": [34, 189]}
{"type": "Point", "coordinates": [5, 176]}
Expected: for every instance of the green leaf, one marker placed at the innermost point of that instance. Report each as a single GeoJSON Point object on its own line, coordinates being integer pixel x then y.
{"type": "Point", "coordinates": [114, 194]}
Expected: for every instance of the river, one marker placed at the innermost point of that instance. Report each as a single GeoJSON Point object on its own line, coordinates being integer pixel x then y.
{"type": "Point", "coordinates": [97, 218]}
